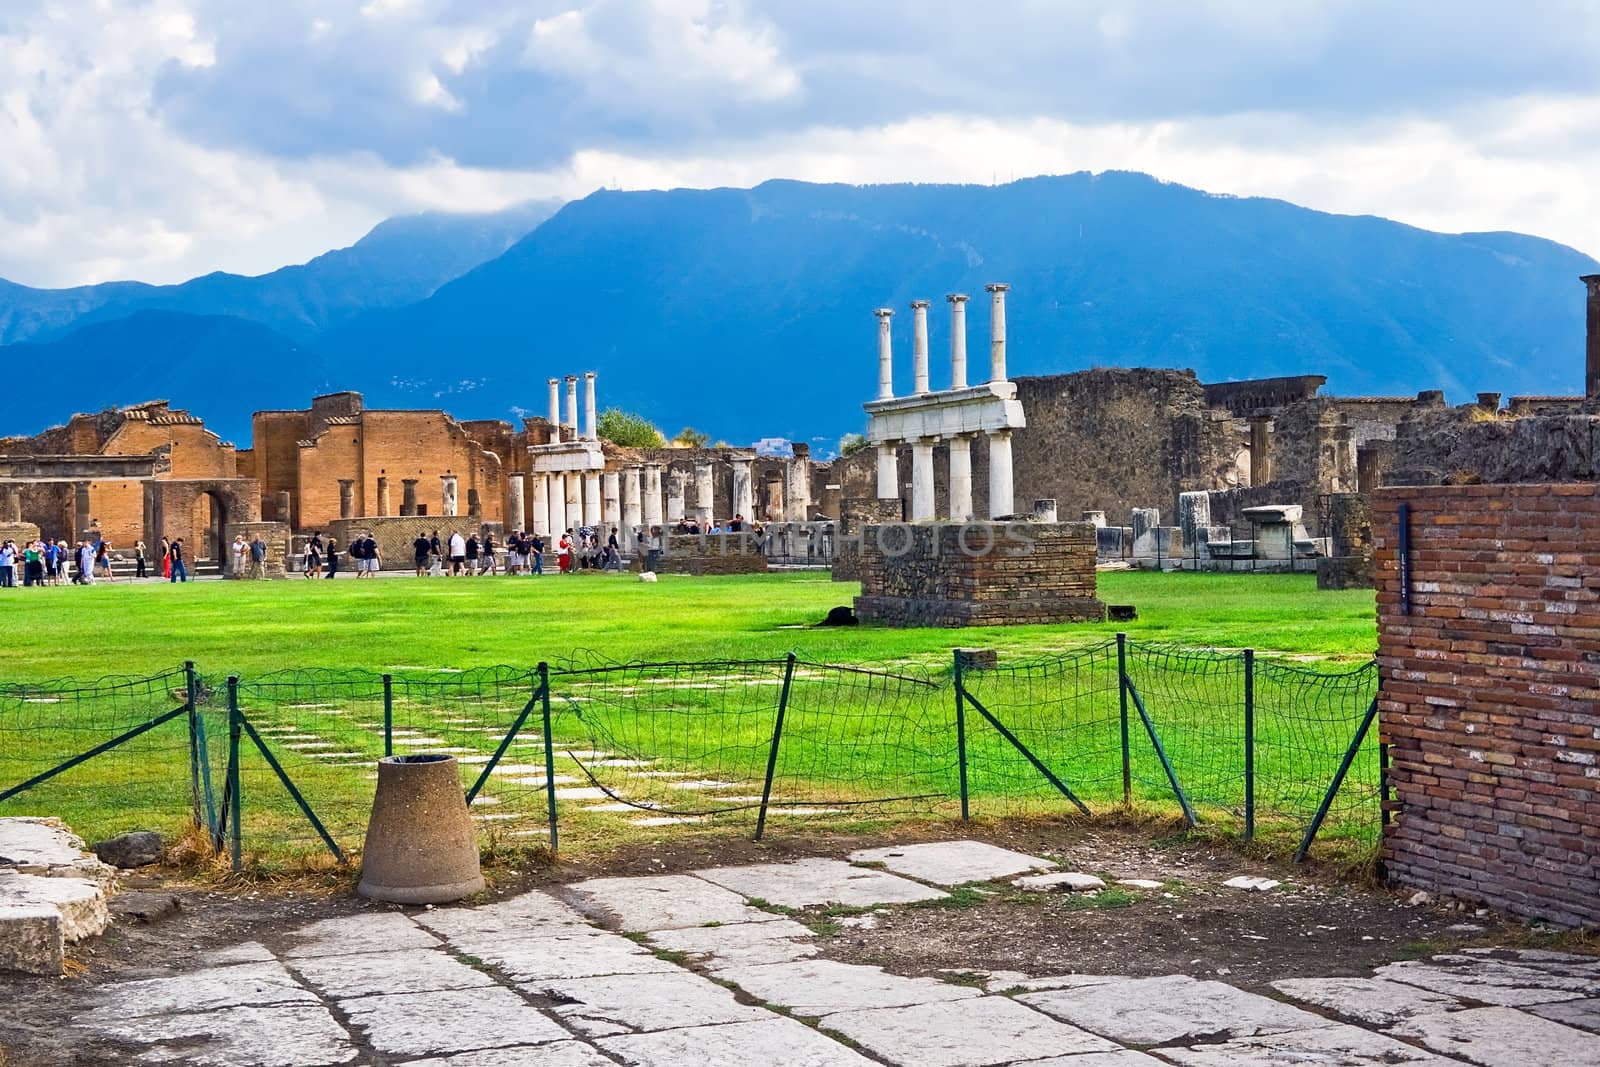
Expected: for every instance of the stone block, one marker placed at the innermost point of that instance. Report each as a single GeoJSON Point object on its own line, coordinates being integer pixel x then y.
{"type": "Point", "coordinates": [79, 902]}
{"type": "Point", "coordinates": [130, 850]}
{"type": "Point", "coordinates": [1156, 1011]}
{"type": "Point", "coordinates": [812, 882]}
{"type": "Point", "coordinates": [30, 939]}
{"type": "Point", "coordinates": [735, 1045]}
{"type": "Point", "coordinates": [457, 1020]}
{"type": "Point", "coordinates": [741, 944]}
{"type": "Point", "coordinates": [663, 902]}
{"type": "Point", "coordinates": [606, 1006]}
{"type": "Point", "coordinates": [1501, 1037]}
{"type": "Point", "coordinates": [982, 1030]}
{"type": "Point", "coordinates": [822, 987]}
{"type": "Point", "coordinates": [951, 863]}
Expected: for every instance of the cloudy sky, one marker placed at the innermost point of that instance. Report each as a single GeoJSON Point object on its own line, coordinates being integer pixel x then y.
{"type": "Point", "coordinates": [158, 139]}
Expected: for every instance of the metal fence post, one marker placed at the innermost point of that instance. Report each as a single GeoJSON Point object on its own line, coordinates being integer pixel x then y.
{"type": "Point", "coordinates": [191, 700]}
{"type": "Point", "coordinates": [549, 755]}
{"type": "Point", "coordinates": [1122, 695]}
{"type": "Point", "coordinates": [1249, 744]}
{"type": "Point", "coordinates": [777, 737]}
{"type": "Point", "coordinates": [235, 729]}
{"type": "Point", "coordinates": [961, 737]}
{"type": "Point", "coordinates": [388, 715]}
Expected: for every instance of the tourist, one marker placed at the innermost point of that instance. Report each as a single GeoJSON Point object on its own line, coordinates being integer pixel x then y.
{"type": "Point", "coordinates": [49, 561]}
{"type": "Point", "coordinates": [177, 572]}
{"type": "Point", "coordinates": [85, 563]}
{"type": "Point", "coordinates": [436, 551]}
{"type": "Point", "coordinates": [239, 551]}
{"type": "Point", "coordinates": [166, 557]}
{"type": "Point", "coordinates": [472, 555]}
{"type": "Point", "coordinates": [32, 564]}
{"type": "Point", "coordinates": [564, 554]}
{"type": "Point", "coordinates": [369, 554]}
{"type": "Point", "coordinates": [258, 557]}
{"type": "Point", "coordinates": [102, 561]}
{"type": "Point", "coordinates": [652, 558]}
{"type": "Point", "coordinates": [8, 564]}
{"type": "Point", "coordinates": [537, 546]}
{"type": "Point", "coordinates": [311, 558]}
{"type": "Point", "coordinates": [138, 559]}
{"type": "Point", "coordinates": [422, 552]}
{"type": "Point", "coordinates": [486, 563]}
{"type": "Point", "coordinates": [62, 553]}
{"type": "Point", "coordinates": [458, 553]}
{"type": "Point", "coordinates": [333, 557]}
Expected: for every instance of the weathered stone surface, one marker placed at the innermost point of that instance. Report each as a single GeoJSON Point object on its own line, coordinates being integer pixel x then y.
{"type": "Point", "coordinates": [1584, 1014]}
{"type": "Point", "coordinates": [951, 863]}
{"type": "Point", "coordinates": [742, 944]}
{"type": "Point", "coordinates": [821, 987]}
{"type": "Point", "coordinates": [1501, 1037]}
{"type": "Point", "coordinates": [457, 1020]}
{"type": "Point", "coordinates": [1060, 881]}
{"type": "Point", "coordinates": [30, 939]}
{"type": "Point", "coordinates": [406, 971]}
{"type": "Point", "coordinates": [663, 902]}
{"type": "Point", "coordinates": [963, 1033]}
{"type": "Point", "coordinates": [1491, 981]}
{"type": "Point", "coordinates": [374, 932]}
{"type": "Point", "coordinates": [1155, 1011]}
{"type": "Point", "coordinates": [557, 1054]}
{"type": "Point", "coordinates": [1326, 1046]}
{"type": "Point", "coordinates": [143, 907]}
{"type": "Point", "coordinates": [299, 1035]}
{"type": "Point", "coordinates": [1140, 883]}
{"type": "Point", "coordinates": [1125, 1058]}
{"type": "Point", "coordinates": [1252, 884]}
{"type": "Point", "coordinates": [1369, 1000]}
{"type": "Point", "coordinates": [770, 1041]}
{"type": "Point", "coordinates": [528, 915]}
{"type": "Point", "coordinates": [606, 1006]}
{"type": "Point", "coordinates": [818, 881]}
{"type": "Point", "coordinates": [134, 849]}
{"type": "Point", "coordinates": [578, 955]}
{"type": "Point", "coordinates": [46, 846]}
{"type": "Point", "coordinates": [247, 952]}
{"type": "Point", "coordinates": [80, 902]}
{"type": "Point", "coordinates": [211, 989]}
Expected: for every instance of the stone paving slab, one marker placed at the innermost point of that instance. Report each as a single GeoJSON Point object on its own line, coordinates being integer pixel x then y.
{"type": "Point", "coordinates": [742, 944]}
{"type": "Point", "coordinates": [1125, 1058]}
{"type": "Point", "coordinates": [809, 882]}
{"type": "Point", "coordinates": [1369, 1000]}
{"type": "Point", "coordinates": [952, 863]}
{"type": "Point", "coordinates": [963, 1033]}
{"type": "Point", "coordinates": [1325, 1046]}
{"type": "Point", "coordinates": [1174, 1008]}
{"type": "Point", "coordinates": [1491, 981]}
{"type": "Point", "coordinates": [81, 902]}
{"type": "Point", "coordinates": [373, 932]}
{"type": "Point", "coordinates": [457, 1020]}
{"type": "Point", "coordinates": [560, 1054]}
{"type": "Point", "coordinates": [587, 955]}
{"type": "Point", "coordinates": [663, 902]}
{"type": "Point", "coordinates": [1584, 1014]}
{"type": "Point", "coordinates": [245, 952]}
{"type": "Point", "coordinates": [204, 990]}
{"type": "Point", "coordinates": [46, 846]}
{"type": "Point", "coordinates": [371, 973]}
{"type": "Point", "coordinates": [528, 915]}
{"type": "Point", "coordinates": [283, 1036]}
{"type": "Point", "coordinates": [602, 1007]}
{"type": "Point", "coordinates": [1501, 1037]}
{"type": "Point", "coordinates": [777, 1042]}
{"type": "Point", "coordinates": [822, 987]}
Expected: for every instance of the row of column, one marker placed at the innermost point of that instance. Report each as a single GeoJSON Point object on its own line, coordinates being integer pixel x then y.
{"type": "Point", "coordinates": [631, 497]}
{"type": "Point", "coordinates": [1001, 490]}
{"type": "Point", "coordinates": [570, 423]}
{"type": "Point", "coordinates": [958, 342]}
{"type": "Point", "coordinates": [449, 493]}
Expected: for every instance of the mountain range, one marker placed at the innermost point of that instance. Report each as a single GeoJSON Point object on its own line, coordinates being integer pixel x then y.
{"type": "Point", "coordinates": [748, 312]}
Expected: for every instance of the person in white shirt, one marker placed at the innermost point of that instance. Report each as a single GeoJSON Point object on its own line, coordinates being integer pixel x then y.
{"type": "Point", "coordinates": [240, 549]}
{"type": "Point", "coordinates": [458, 553]}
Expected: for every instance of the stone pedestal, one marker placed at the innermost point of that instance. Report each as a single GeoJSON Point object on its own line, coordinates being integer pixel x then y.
{"type": "Point", "coordinates": [448, 507]}
{"type": "Point", "coordinates": [1145, 521]}
{"type": "Point", "coordinates": [1194, 517]}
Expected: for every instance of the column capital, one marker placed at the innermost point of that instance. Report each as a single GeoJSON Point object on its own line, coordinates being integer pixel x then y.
{"type": "Point", "coordinates": [957, 298]}
{"type": "Point", "coordinates": [919, 303]}
{"type": "Point", "coordinates": [589, 375]}
{"type": "Point", "coordinates": [572, 379]}
{"type": "Point", "coordinates": [1000, 435]}
{"type": "Point", "coordinates": [883, 313]}
{"type": "Point", "coordinates": [997, 287]}
{"type": "Point", "coordinates": [553, 381]}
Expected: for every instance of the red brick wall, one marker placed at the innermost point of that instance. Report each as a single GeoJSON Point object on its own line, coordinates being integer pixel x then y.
{"type": "Point", "coordinates": [1491, 694]}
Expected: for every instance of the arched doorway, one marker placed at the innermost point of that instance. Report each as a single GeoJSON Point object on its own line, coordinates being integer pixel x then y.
{"type": "Point", "coordinates": [208, 519]}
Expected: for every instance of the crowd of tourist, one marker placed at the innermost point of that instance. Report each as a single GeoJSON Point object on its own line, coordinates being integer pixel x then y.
{"type": "Point", "coordinates": [44, 561]}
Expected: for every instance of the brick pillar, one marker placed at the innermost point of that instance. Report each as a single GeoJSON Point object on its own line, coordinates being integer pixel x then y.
{"type": "Point", "coordinates": [383, 495]}
{"type": "Point", "coordinates": [347, 498]}
{"type": "Point", "coordinates": [408, 496]}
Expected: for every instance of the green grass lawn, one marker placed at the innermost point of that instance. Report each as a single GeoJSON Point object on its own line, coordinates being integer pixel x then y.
{"type": "Point", "coordinates": [848, 736]}
{"type": "Point", "coordinates": [228, 627]}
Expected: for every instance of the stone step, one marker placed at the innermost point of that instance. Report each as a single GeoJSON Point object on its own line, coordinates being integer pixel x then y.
{"type": "Point", "coordinates": [52, 893]}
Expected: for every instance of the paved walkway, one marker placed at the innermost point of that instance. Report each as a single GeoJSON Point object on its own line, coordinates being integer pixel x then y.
{"type": "Point", "coordinates": [602, 975]}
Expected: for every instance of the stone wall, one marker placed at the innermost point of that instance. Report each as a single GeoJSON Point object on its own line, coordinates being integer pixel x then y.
{"type": "Point", "coordinates": [696, 554]}
{"type": "Point", "coordinates": [978, 574]}
{"type": "Point", "coordinates": [395, 534]}
{"type": "Point", "coordinates": [1466, 444]}
{"type": "Point", "coordinates": [1490, 700]}
{"type": "Point", "coordinates": [1349, 533]}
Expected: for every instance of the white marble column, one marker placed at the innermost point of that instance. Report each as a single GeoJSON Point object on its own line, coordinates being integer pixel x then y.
{"type": "Point", "coordinates": [885, 355]}
{"type": "Point", "coordinates": [677, 483]}
{"type": "Point", "coordinates": [515, 501]}
{"type": "Point", "coordinates": [611, 502]}
{"type": "Point", "coordinates": [798, 490]}
{"type": "Point", "coordinates": [1001, 494]}
{"type": "Point", "coordinates": [961, 478]}
{"type": "Point", "coordinates": [652, 495]}
{"type": "Point", "coordinates": [997, 333]}
{"type": "Point", "coordinates": [448, 491]}
{"type": "Point", "coordinates": [704, 492]}
{"type": "Point", "coordinates": [743, 491]}
{"type": "Point", "coordinates": [632, 505]}
{"type": "Point", "coordinates": [919, 347]}
{"type": "Point", "coordinates": [888, 473]}
{"type": "Point", "coordinates": [590, 414]}
{"type": "Point", "coordinates": [555, 409]}
{"type": "Point", "coordinates": [539, 505]}
{"type": "Point", "coordinates": [558, 505]}
{"type": "Point", "coordinates": [922, 504]}
{"type": "Point", "coordinates": [574, 488]}
{"type": "Point", "coordinates": [572, 404]}
{"type": "Point", "coordinates": [958, 340]}
{"type": "Point", "coordinates": [591, 499]}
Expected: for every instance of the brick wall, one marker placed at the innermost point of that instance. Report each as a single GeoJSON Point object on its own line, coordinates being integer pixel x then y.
{"type": "Point", "coordinates": [978, 574]}
{"type": "Point", "coordinates": [696, 554]}
{"type": "Point", "coordinates": [1491, 694]}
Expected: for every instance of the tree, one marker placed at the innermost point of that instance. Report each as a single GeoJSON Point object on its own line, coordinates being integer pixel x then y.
{"type": "Point", "coordinates": [851, 443]}
{"type": "Point", "coordinates": [689, 437]}
{"type": "Point", "coordinates": [628, 429]}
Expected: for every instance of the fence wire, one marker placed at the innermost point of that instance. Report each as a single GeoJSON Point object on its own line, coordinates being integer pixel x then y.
{"type": "Point", "coordinates": [1305, 721]}
{"type": "Point", "coordinates": [141, 784]}
{"type": "Point", "coordinates": [1194, 699]}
